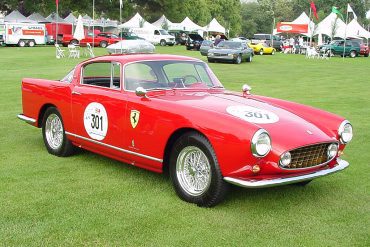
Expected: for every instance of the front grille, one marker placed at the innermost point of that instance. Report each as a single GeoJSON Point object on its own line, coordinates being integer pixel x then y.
{"type": "Point", "coordinates": [219, 54]}
{"type": "Point", "coordinates": [309, 156]}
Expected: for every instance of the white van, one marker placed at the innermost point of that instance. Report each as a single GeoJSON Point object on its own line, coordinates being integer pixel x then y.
{"type": "Point", "coordinates": [24, 34]}
{"type": "Point", "coordinates": [155, 36]}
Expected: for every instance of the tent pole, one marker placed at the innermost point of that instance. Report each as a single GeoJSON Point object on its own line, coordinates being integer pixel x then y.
{"type": "Point", "coordinates": [93, 28]}
{"type": "Point", "coordinates": [345, 36]}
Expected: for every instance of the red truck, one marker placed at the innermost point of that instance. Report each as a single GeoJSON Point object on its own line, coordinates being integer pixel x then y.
{"type": "Point", "coordinates": [100, 39]}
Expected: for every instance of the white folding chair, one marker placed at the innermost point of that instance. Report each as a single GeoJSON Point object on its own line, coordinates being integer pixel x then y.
{"type": "Point", "coordinates": [59, 52]}
{"type": "Point", "coordinates": [90, 52]}
{"type": "Point", "coordinates": [73, 51]}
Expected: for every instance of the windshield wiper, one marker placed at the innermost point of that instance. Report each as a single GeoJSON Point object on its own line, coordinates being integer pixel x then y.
{"type": "Point", "coordinates": [158, 88]}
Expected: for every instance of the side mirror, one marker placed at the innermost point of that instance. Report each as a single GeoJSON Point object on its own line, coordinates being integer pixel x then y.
{"type": "Point", "coordinates": [141, 92]}
{"type": "Point", "coordinates": [246, 90]}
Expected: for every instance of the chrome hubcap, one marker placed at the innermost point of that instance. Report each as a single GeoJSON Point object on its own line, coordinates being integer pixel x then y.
{"type": "Point", "coordinates": [54, 131]}
{"type": "Point", "coordinates": [193, 171]}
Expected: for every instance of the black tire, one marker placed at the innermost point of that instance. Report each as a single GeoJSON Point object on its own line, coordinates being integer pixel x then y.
{"type": "Point", "coordinates": [238, 59]}
{"type": "Point", "coordinates": [250, 59]}
{"type": "Point", "coordinates": [73, 42]}
{"type": "Point", "coordinates": [330, 53]}
{"type": "Point", "coordinates": [163, 42]}
{"type": "Point", "coordinates": [260, 52]}
{"type": "Point", "coordinates": [185, 148]}
{"type": "Point", "coordinates": [31, 43]}
{"type": "Point", "coordinates": [304, 183]}
{"type": "Point", "coordinates": [103, 44]}
{"type": "Point", "coordinates": [273, 52]}
{"type": "Point", "coordinates": [366, 55]}
{"type": "Point", "coordinates": [211, 60]}
{"type": "Point", "coordinates": [171, 44]}
{"type": "Point", "coordinates": [188, 48]}
{"type": "Point", "coordinates": [21, 43]}
{"type": "Point", "coordinates": [353, 54]}
{"type": "Point", "coordinates": [63, 147]}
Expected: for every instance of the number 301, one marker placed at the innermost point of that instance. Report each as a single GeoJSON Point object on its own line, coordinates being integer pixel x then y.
{"type": "Point", "coordinates": [96, 122]}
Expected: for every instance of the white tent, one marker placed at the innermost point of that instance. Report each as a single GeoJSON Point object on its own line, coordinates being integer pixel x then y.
{"type": "Point", "coordinates": [331, 26]}
{"type": "Point", "coordinates": [53, 17]}
{"type": "Point", "coordinates": [79, 33]}
{"type": "Point", "coordinates": [215, 26]}
{"type": "Point", "coordinates": [87, 20]}
{"type": "Point", "coordinates": [355, 30]}
{"type": "Point", "coordinates": [303, 19]}
{"type": "Point", "coordinates": [137, 22]}
{"type": "Point", "coordinates": [37, 18]}
{"type": "Point", "coordinates": [190, 26]}
{"type": "Point", "coordinates": [162, 21]}
{"type": "Point", "coordinates": [71, 19]}
{"type": "Point", "coordinates": [368, 14]}
{"type": "Point", "coordinates": [16, 16]}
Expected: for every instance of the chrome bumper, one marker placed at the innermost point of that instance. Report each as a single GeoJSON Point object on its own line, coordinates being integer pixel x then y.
{"type": "Point", "coordinates": [342, 164]}
{"type": "Point", "coordinates": [26, 119]}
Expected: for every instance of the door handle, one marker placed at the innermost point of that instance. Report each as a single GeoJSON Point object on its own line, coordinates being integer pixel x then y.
{"type": "Point", "coordinates": [76, 93]}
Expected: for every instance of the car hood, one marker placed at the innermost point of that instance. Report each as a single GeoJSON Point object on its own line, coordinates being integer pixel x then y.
{"type": "Point", "coordinates": [287, 130]}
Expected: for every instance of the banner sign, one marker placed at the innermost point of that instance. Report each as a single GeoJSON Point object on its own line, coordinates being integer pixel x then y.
{"type": "Point", "coordinates": [288, 27]}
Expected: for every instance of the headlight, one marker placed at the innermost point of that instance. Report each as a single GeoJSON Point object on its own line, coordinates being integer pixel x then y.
{"type": "Point", "coordinates": [345, 132]}
{"type": "Point", "coordinates": [261, 143]}
{"type": "Point", "coordinates": [210, 54]}
{"type": "Point", "coordinates": [230, 55]}
{"type": "Point", "coordinates": [332, 150]}
{"type": "Point", "coordinates": [285, 159]}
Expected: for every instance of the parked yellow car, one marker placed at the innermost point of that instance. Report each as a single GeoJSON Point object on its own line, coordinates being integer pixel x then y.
{"type": "Point", "coordinates": [262, 48]}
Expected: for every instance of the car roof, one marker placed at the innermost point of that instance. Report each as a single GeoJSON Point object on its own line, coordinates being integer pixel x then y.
{"type": "Point", "coordinates": [127, 58]}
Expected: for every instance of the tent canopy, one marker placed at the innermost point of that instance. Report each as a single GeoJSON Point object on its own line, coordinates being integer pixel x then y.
{"type": "Point", "coordinates": [16, 16]}
{"type": "Point", "coordinates": [37, 17]}
{"type": "Point", "coordinates": [331, 26]}
{"type": "Point", "coordinates": [354, 30]}
{"type": "Point", "coordinates": [303, 19]}
{"type": "Point", "coordinates": [71, 19]}
{"type": "Point", "coordinates": [161, 22]}
{"type": "Point", "coordinates": [190, 26]}
{"type": "Point", "coordinates": [215, 26]}
{"type": "Point", "coordinates": [137, 22]}
{"type": "Point", "coordinates": [53, 17]}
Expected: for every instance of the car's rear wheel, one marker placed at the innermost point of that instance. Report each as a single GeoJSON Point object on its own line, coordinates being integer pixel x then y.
{"type": "Point", "coordinates": [194, 171]}
{"type": "Point", "coordinates": [73, 42]}
{"type": "Point", "coordinates": [238, 59]}
{"type": "Point", "coordinates": [103, 44]}
{"type": "Point", "coordinates": [330, 53]}
{"type": "Point", "coordinates": [366, 55]}
{"type": "Point", "coordinates": [353, 54]}
{"type": "Point", "coordinates": [54, 135]}
{"type": "Point", "coordinates": [260, 52]}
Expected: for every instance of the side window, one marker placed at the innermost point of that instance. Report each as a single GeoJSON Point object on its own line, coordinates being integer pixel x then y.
{"type": "Point", "coordinates": [156, 32]}
{"type": "Point", "coordinates": [140, 75]}
{"type": "Point", "coordinates": [102, 74]}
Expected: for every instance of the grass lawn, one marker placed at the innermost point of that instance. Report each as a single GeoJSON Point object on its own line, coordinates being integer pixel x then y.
{"type": "Point", "coordinates": [89, 200]}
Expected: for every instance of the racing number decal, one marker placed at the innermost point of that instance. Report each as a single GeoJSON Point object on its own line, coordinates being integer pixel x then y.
{"type": "Point", "coordinates": [252, 114]}
{"type": "Point", "coordinates": [96, 121]}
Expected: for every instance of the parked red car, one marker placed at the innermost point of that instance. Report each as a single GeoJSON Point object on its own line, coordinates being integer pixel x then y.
{"type": "Point", "coordinates": [364, 48]}
{"type": "Point", "coordinates": [100, 39]}
{"type": "Point", "coordinates": [171, 113]}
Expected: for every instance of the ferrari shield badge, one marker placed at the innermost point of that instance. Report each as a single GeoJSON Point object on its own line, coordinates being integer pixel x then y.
{"type": "Point", "coordinates": [134, 118]}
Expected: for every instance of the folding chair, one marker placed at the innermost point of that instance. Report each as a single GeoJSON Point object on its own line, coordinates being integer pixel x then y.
{"type": "Point", "coordinates": [89, 50]}
{"type": "Point", "coordinates": [73, 51]}
{"type": "Point", "coordinates": [60, 52]}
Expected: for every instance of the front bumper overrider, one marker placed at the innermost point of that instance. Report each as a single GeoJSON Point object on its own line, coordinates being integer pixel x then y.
{"type": "Point", "coordinates": [252, 183]}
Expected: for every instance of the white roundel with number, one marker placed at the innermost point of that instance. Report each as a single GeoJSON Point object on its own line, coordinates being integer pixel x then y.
{"type": "Point", "coordinates": [253, 114]}
{"type": "Point", "coordinates": [96, 121]}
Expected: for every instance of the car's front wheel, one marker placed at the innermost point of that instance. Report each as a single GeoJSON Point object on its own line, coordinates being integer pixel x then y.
{"type": "Point", "coordinates": [250, 58]}
{"type": "Point", "coordinates": [353, 54]}
{"type": "Point", "coordinates": [103, 44]}
{"type": "Point", "coordinates": [162, 42]}
{"type": "Point", "coordinates": [238, 59]}
{"type": "Point", "coordinates": [194, 171]}
{"type": "Point", "coordinates": [54, 135]}
{"type": "Point", "coordinates": [260, 52]}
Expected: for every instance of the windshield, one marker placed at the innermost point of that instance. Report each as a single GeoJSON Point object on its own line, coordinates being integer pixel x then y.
{"type": "Point", "coordinates": [154, 75]}
{"type": "Point", "coordinates": [163, 32]}
{"type": "Point", "coordinates": [229, 45]}
{"type": "Point", "coordinates": [114, 36]}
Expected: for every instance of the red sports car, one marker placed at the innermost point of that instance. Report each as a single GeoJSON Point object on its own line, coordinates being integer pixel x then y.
{"type": "Point", "coordinates": [171, 113]}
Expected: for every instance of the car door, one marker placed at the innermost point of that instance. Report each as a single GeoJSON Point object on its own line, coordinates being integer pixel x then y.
{"type": "Point", "coordinates": [98, 107]}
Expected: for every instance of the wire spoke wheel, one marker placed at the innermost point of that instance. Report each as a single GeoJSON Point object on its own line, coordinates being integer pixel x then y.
{"type": "Point", "coordinates": [54, 131]}
{"type": "Point", "coordinates": [193, 171]}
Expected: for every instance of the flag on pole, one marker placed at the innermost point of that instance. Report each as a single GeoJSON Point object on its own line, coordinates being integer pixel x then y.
{"type": "Point", "coordinates": [56, 2]}
{"type": "Point", "coordinates": [350, 10]}
{"type": "Point", "coordinates": [336, 11]}
{"type": "Point", "coordinates": [120, 4]}
{"type": "Point", "coordinates": [313, 7]}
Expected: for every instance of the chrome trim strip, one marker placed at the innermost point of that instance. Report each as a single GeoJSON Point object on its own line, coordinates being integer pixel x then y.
{"type": "Point", "coordinates": [342, 164]}
{"type": "Point", "coordinates": [26, 119]}
{"type": "Point", "coordinates": [115, 148]}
